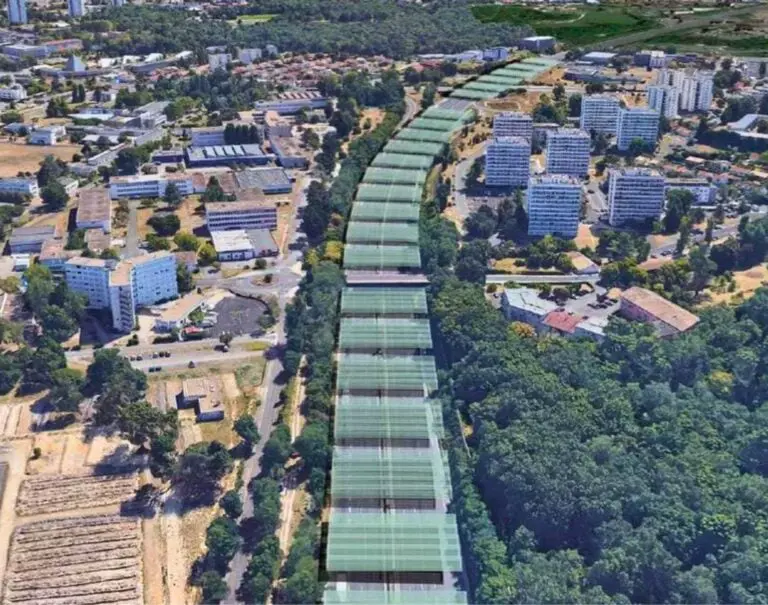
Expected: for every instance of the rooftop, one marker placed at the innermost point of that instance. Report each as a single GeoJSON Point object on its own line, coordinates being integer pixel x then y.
{"type": "Point", "coordinates": [83, 261]}
{"type": "Point", "coordinates": [528, 299]}
{"type": "Point", "coordinates": [182, 308]}
{"type": "Point", "coordinates": [52, 249]}
{"type": "Point", "coordinates": [263, 178]}
{"type": "Point", "coordinates": [240, 206]}
{"type": "Point", "coordinates": [562, 321]}
{"type": "Point", "coordinates": [94, 205]}
{"type": "Point", "coordinates": [97, 240]}
{"type": "Point", "coordinates": [233, 240]}
{"type": "Point", "coordinates": [660, 308]}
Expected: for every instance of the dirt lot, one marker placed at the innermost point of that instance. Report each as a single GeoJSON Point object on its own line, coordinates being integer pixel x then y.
{"type": "Point", "coordinates": [191, 215]}
{"type": "Point", "coordinates": [746, 283]}
{"type": "Point", "coordinates": [20, 157]}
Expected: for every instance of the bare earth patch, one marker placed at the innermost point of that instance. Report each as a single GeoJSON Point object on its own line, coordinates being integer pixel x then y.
{"type": "Point", "coordinates": [20, 157]}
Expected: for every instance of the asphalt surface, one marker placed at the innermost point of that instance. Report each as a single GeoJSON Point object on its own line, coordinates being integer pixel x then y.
{"type": "Point", "coordinates": [131, 248]}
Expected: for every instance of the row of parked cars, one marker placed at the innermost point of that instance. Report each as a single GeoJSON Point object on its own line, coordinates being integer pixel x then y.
{"type": "Point", "coordinates": [154, 356]}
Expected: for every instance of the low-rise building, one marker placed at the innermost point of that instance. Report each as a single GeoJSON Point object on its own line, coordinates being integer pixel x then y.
{"type": "Point", "coordinates": [29, 240]}
{"type": "Point", "coordinates": [241, 244]}
{"type": "Point", "coordinates": [582, 264]}
{"type": "Point", "coordinates": [288, 152]}
{"type": "Point", "coordinates": [669, 319]}
{"type": "Point", "coordinates": [96, 240]}
{"type": "Point", "coordinates": [219, 60]}
{"type": "Point", "coordinates": [46, 136]}
{"type": "Point", "coordinates": [256, 214]}
{"type": "Point", "coordinates": [20, 186]}
{"type": "Point", "coordinates": [635, 194]}
{"type": "Point", "coordinates": [597, 57]}
{"type": "Point", "coordinates": [554, 205]}
{"type": "Point", "coordinates": [573, 325]}
{"type": "Point", "coordinates": [704, 192]}
{"type": "Point", "coordinates": [270, 180]}
{"type": "Point", "coordinates": [538, 43]}
{"type": "Point", "coordinates": [249, 55]}
{"type": "Point", "coordinates": [205, 137]}
{"type": "Point", "coordinates": [149, 185]}
{"type": "Point", "coordinates": [227, 155]}
{"type": "Point", "coordinates": [69, 184]}
{"type": "Point", "coordinates": [14, 92]}
{"type": "Point", "coordinates": [176, 316]}
{"type": "Point", "coordinates": [204, 396]}
{"type": "Point", "coordinates": [94, 210]}
{"type": "Point", "coordinates": [53, 255]}
{"type": "Point", "coordinates": [294, 101]}
{"type": "Point", "coordinates": [526, 305]}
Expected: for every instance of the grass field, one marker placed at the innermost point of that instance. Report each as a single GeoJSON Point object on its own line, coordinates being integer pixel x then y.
{"type": "Point", "coordinates": [251, 19]}
{"type": "Point", "coordinates": [577, 26]}
{"type": "Point", "coordinates": [724, 40]}
{"type": "Point", "coordinates": [19, 157]}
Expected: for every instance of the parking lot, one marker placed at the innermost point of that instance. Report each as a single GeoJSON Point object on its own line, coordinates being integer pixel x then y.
{"type": "Point", "coordinates": [238, 315]}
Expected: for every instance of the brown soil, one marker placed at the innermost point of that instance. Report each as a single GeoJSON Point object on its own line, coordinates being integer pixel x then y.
{"type": "Point", "coordinates": [20, 157]}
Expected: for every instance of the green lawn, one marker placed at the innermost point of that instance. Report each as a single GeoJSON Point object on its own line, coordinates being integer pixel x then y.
{"type": "Point", "coordinates": [726, 41]}
{"type": "Point", "coordinates": [251, 19]}
{"type": "Point", "coordinates": [578, 26]}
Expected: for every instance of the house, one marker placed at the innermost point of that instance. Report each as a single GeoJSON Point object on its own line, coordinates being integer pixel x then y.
{"type": "Point", "coordinates": [573, 325]}
{"type": "Point", "coordinates": [525, 304]}
{"type": "Point", "coordinates": [668, 318]}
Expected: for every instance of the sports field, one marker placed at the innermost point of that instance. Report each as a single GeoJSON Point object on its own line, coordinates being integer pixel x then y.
{"type": "Point", "coordinates": [578, 25]}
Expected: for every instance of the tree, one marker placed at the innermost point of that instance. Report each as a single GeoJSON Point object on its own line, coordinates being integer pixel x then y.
{"type": "Point", "coordinates": [172, 195]}
{"type": "Point", "coordinates": [679, 202]}
{"type": "Point", "coordinates": [223, 541]}
{"type": "Point", "coordinates": [702, 268]}
{"type": "Point", "coordinates": [709, 232]}
{"type": "Point", "coordinates": [10, 372]}
{"type": "Point", "coordinates": [232, 504]}
{"type": "Point", "coordinates": [277, 448]}
{"type": "Point", "coordinates": [200, 469]}
{"type": "Point", "coordinates": [246, 428]}
{"type": "Point", "coordinates": [475, 172]}
{"type": "Point", "coordinates": [481, 224]}
{"type": "Point", "coordinates": [41, 365]}
{"type": "Point", "coordinates": [130, 159]}
{"type": "Point", "coordinates": [213, 586]}
{"type": "Point", "coordinates": [184, 280]}
{"type": "Point", "coordinates": [54, 196]}
{"type": "Point", "coordinates": [186, 241]}
{"type": "Point", "coordinates": [165, 224]}
{"type": "Point", "coordinates": [574, 105]}
{"type": "Point", "coordinates": [312, 445]}
{"type": "Point", "coordinates": [140, 422]}
{"type": "Point", "coordinates": [428, 96]}
{"type": "Point", "coordinates": [206, 255]}
{"type": "Point", "coordinates": [213, 192]}
{"type": "Point", "coordinates": [57, 108]}
{"type": "Point", "coordinates": [155, 242]}
{"type": "Point", "coordinates": [51, 169]}
{"type": "Point", "coordinates": [303, 586]}
{"type": "Point", "coordinates": [225, 338]}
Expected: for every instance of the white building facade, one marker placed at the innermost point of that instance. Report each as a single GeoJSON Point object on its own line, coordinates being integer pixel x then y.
{"type": "Point", "coordinates": [513, 124]}
{"type": "Point", "coordinates": [554, 205]}
{"type": "Point", "coordinates": [599, 113]}
{"type": "Point", "coordinates": [637, 123]}
{"type": "Point", "coordinates": [635, 194]}
{"type": "Point", "coordinates": [508, 162]}
{"type": "Point", "coordinates": [664, 99]}
{"type": "Point", "coordinates": [142, 186]}
{"type": "Point", "coordinates": [21, 186]}
{"type": "Point", "coordinates": [223, 216]}
{"type": "Point", "coordinates": [17, 12]}
{"type": "Point", "coordinates": [568, 152]}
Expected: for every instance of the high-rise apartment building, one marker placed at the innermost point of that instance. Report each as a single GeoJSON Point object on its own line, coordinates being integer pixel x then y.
{"type": "Point", "coordinates": [508, 162]}
{"type": "Point", "coordinates": [554, 205]}
{"type": "Point", "coordinates": [76, 8]}
{"type": "Point", "coordinates": [695, 88]}
{"type": "Point", "coordinates": [637, 123]}
{"type": "Point", "coordinates": [513, 124]}
{"type": "Point", "coordinates": [123, 287]}
{"type": "Point", "coordinates": [664, 99]}
{"type": "Point", "coordinates": [600, 113]}
{"type": "Point", "coordinates": [568, 152]}
{"type": "Point", "coordinates": [17, 12]}
{"type": "Point", "coordinates": [635, 194]}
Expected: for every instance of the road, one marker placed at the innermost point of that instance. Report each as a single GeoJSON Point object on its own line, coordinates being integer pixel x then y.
{"type": "Point", "coordinates": [411, 109]}
{"type": "Point", "coordinates": [460, 180]}
{"type": "Point", "coordinates": [131, 249]}
{"type": "Point", "coordinates": [502, 278]}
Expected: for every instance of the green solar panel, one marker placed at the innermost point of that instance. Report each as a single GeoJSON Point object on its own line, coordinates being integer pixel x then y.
{"type": "Point", "coordinates": [383, 301]}
{"type": "Point", "coordinates": [360, 417]}
{"type": "Point", "coordinates": [392, 473]}
{"type": "Point", "coordinates": [382, 233]}
{"type": "Point", "coordinates": [414, 147]}
{"type": "Point", "coordinates": [409, 194]}
{"type": "Point", "coordinates": [394, 595]}
{"type": "Point", "coordinates": [417, 134]}
{"type": "Point", "coordinates": [494, 88]}
{"type": "Point", "coordinates": [438, 113]}
{"type": "Point", "coordinates": [384, 333]}
{"type": "Point", "coordinates": [391, 542]}
{"type": "Point", "coordinates": [384, 211]}
{"type": "Point", "coordinates": [402, 160]}
{"type": "Point", "coordinates": [370, 256]}
{"type": "Point", "coordinates": [475, 95]}
{"type": "Point", "coordinates": [387, 373]}
{"type": "Point", "coordinates": [494, 79]}
{"type": "Point", "coordinates": [401, 176]}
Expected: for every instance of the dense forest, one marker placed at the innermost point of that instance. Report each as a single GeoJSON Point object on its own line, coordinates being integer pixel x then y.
{"type": "Point", "coordinates": [346, 26]}
{"type": "Point", "coordinates": [629, 471]}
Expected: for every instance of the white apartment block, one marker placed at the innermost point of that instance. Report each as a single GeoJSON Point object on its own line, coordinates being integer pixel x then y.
{"type": "Point", "coordinates": [513, 124]}
{"type": "Point", "coordinates": [21, 186]}
{"type": "Point", "coordinates": [635, 194]}
{"type": "Point", "coordinates": [704, 192]}
{"type": "Point", "coordinates": [664, 99]}
{"type": "Point", "coordinates": [147, 186]}
{"type": "Point", "coordinates": [554, 205]}
{"type": "Point", "coordinates": [14, 92]}
{"type": "Point", "coordinates": [249, 55]}
{"type": "Point", "coordinates": [46, 136]}
{"type": "Point", "coordinates": [697, 90]}
{"type": "Point", "coordinates": [123, 287]}
{"type": "Point", "coordinates": [637, 123]}
{"type": "Point", "coordinates": [223, 216]}
{"type": "Point", "coordinates": [568, 152]}
{"type": "Point", "coordinates": [508, 162]}
{"type": "Point", "coordinates": [218, 60]}
{"type": "Point", "coordinates": [17, 12]}
{"type": "Point", "coordinates": [76, 8]}
{"type": "Point", "coordinates": [599, 113]}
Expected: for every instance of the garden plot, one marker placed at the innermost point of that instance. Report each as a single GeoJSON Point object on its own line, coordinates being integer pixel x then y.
{"type": "Point", "coordinates": [76, 561]}
{"type": "Point", "coordinates": [53, 494]}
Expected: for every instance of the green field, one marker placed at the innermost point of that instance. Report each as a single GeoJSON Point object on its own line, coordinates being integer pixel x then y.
{"type": "Point", "coordinates": [722, 41]}
{"type": "Point", "coordinates": [251, 19]}
{"type": "Point", "coordinates": [579, 26]}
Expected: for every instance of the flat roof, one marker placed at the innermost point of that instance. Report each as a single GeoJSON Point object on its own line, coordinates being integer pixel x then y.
{"type": "Point", "coordinates": [239, 206]}
{"type": "Point", "coordinates": [183, 307]}
{"type": "Point", "coordinates": [233, 240]}
{"type": "Point", "coordinates": [528, 299]}
{"type": "Point", "coordinates": [268, 177]}
{"type": "Point", "coordinates": [83, 261]}
{"type": "Point", "coordinates": [94, 205]}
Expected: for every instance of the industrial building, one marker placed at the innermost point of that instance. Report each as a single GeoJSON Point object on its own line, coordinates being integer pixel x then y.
{"type": "Point", "coordinates": [554, 205]}
{"type": "Point", "coordinates": [243, 244]}
{"type": "Point", "coordinates": [227, 155]}
{"type": "Point", "coordinates": [637, 124]}
{"type": "Point", "coordinates": [600, 113]}
{"type": "Point", "coordinates": [270, 180]}
{"type": "Point", "coordinates": [635, 194]}
{"type": "Point", "coordinates": [568, 152]}
{"type": "Point", "coordinates": [508, 162]}
{"type": "Point", "coordinates": [294, 101]}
